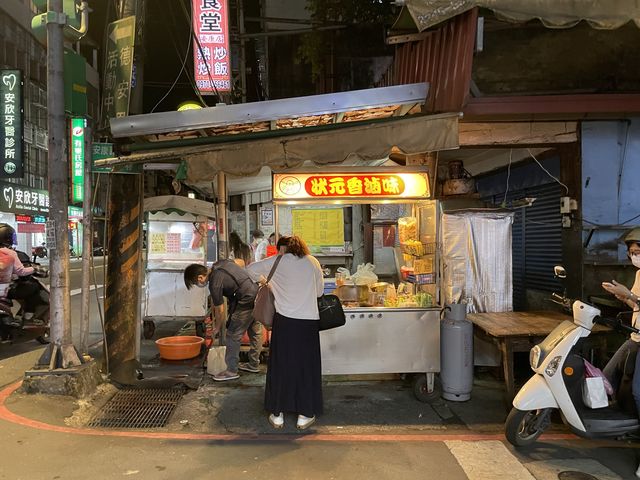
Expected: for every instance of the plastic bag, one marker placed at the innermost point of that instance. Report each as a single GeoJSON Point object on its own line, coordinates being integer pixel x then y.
{"type": "Point", "coordinates": [215, 360]}
{"type": "Point", "coordinates": [591, 371]}
{"type": "Point", "coordinates": [364, 274]}
{"type": "Point", "coordinates": [593, 393]}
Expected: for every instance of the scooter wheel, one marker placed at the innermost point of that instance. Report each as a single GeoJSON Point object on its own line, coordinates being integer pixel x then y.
{"type": "Point", "coordinates": [523, 428]}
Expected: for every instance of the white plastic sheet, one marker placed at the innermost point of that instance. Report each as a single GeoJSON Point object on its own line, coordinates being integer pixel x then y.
{"type": "Point", "coordinates": [476, 247]}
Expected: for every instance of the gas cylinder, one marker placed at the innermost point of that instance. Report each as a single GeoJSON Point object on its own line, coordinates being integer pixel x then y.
{"type": "Point", "coordinates": [456, 353]}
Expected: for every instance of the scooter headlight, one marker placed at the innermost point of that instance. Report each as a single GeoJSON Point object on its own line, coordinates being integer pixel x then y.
{"type": "Point", "coordinates": [552, 366]}
{"type": "Point", "coordinates": [534, 357]}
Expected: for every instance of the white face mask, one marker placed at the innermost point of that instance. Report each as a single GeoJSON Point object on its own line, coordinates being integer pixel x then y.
{"type": "Point", "coordinates": [635, 259]}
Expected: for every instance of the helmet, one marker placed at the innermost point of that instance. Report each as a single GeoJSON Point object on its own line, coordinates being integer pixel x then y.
{"type": "Point", "coordinates": [632, 236]}
{"type": "Point", "coordinates": [7, 235]}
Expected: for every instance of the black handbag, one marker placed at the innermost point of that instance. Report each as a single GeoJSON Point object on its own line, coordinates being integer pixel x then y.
{"type": "Point", "coordinates": [331, 313]}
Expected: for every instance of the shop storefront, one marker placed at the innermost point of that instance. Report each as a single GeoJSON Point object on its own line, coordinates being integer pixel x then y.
{"type": "Point", "coordinates": [26, 210]}
{"type": "Point", "coordinates": [398, 318]}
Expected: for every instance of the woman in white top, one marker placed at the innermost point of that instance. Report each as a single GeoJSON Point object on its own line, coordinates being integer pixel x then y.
{"type": "Point", "coordinates": [294, 381]}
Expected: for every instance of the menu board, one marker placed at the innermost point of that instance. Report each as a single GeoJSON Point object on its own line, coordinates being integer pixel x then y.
{"type": "Point", "coordinates": [173, 243]}
{"type": "Point", "coordinates": [319, 227]}
{"type": "Point", "coordinates": [158, 243]}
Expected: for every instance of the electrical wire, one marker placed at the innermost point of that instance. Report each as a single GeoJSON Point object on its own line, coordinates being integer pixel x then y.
{"type": "Point", "coordinates": [547, 171]}
{"type": "Point", "coordinates": [184, 62]}
{"type": "Point", "coordinates": [186, 71]}
{"type": "Point", "coordinates": [504, 200]}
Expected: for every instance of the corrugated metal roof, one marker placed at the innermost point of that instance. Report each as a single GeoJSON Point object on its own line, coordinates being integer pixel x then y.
{"type": "Point", "coordinates": [443, 57]}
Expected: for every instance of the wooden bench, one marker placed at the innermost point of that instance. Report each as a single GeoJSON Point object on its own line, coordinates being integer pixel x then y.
{"type": "Point", "coordinates": [517, 332]}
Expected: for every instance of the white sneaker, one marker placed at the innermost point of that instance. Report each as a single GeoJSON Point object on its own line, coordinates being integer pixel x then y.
{"type": "Point", "coordinates": [638, 472]}
{"type": "Point", "coordinates": [276, 421]}
{"type": "Point", "coordinates": [305, 422]}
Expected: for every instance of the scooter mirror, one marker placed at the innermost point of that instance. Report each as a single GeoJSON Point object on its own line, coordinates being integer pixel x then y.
{"type": "Point", "coordinates": [559, 272]}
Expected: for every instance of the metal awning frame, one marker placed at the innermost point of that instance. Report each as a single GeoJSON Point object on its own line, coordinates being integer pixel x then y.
{"type": "Point", "coordinates": [336, 104]}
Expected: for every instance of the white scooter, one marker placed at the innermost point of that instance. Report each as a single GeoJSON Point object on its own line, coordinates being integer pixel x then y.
{"type": "Point", "coordinates": [557, 384]}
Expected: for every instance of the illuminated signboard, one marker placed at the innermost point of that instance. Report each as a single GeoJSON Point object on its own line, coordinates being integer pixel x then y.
{"type": "Point", "coordinates": [356, 186]}
{"type": "Point", "coordinates": [77, 159]}
{"type": "Point", "coordinates": [24, 218]}
{"type": "Point", "coordinates": [211, 54]}
{"type": "Point", "coordinates": [23, 200]}
{"type": "Point", "coordinates": [11, 123]}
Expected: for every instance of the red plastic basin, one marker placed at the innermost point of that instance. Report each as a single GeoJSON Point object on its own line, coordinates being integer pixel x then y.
{"type": "Point", "coordinates": [179, 348]}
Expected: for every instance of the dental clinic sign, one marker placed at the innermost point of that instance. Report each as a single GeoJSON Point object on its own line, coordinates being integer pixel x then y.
{"type": "Point", "coordinates": [23, 200]}
{"type": "Point", "coordinates": [11, 124]}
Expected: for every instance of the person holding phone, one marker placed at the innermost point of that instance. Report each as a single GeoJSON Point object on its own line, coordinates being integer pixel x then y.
{"type": "Point", "coordinates": [615, 368]}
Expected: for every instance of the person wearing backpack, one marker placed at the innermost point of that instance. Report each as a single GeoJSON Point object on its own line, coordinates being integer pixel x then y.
{"type": "Point", "coordinates": [228, 279]}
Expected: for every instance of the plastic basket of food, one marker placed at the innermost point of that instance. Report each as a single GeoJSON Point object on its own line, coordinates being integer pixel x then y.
{"type": "Point", "coordinates": [422, 278]}
{"type": "Point", "coordinates": [417, 248]}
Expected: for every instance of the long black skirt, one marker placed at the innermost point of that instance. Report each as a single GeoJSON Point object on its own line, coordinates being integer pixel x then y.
{"type": "Point", "coordinates": [294, 373]}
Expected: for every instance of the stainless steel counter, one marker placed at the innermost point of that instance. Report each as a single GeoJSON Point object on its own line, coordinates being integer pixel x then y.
{"type": "Point", "coordinates": [383, 340]}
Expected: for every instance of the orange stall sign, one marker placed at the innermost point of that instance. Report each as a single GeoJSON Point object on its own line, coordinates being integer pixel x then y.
{"type": "Point", "coordinates": [357, 186]}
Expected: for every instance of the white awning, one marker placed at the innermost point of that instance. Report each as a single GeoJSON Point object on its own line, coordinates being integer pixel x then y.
{"type": "Point", "coordinates": [364, 140]}
{"type": "Point", "coordinates": [183, 204]}
{"type": "Point", "coordinates": [601, 14]}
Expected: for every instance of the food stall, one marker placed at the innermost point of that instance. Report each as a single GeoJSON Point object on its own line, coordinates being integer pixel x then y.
{"type": "Point", "coordinates": [179, 231]}
{"type": "Point", "coordinates": [391, 326]}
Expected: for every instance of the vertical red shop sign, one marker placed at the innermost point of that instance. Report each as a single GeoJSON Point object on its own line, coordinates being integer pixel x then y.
{"type": "Point", "coordinates": [210, 18]}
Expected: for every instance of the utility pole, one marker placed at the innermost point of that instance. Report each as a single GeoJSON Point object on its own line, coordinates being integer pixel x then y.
{"type": "Point", "coordinates": [122, 293]}
{"type": "Point", "coordinates": [87, 237]}
{"type": "Point", "coordinates": [61, 352]}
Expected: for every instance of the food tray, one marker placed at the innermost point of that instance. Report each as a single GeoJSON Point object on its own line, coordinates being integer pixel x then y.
{"type": "Point", "coordinates": [418, 249]}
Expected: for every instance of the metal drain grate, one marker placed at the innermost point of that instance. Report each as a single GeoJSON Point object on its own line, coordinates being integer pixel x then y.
{"type": "Point", "coordinates": [138, 408]}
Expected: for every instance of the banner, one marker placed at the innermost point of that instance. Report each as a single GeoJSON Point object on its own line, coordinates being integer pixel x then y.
{"type": "Point", "coordinates": [11, 126]}
{"type": "Point", "coordinates": [211, 57]}
{"type": "Point", "coordinates": [118, 69]}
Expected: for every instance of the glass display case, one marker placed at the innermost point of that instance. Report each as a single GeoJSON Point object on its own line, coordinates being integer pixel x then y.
{"type": "Point", "coordinates": [174, 241]}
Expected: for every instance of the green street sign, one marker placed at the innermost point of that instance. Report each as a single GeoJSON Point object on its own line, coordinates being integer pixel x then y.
{"type": "Point", "coordinates": [118, 69]}
{"type": "Point", "coordinates": [100, 151]}
{"type": "Point", "coordinates": [105, 150]}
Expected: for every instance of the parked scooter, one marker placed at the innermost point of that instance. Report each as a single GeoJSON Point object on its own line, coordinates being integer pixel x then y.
{"type": "Point", "coordinates": [13, 326]}
{"type": "Point", "coordinates": [558, 380]}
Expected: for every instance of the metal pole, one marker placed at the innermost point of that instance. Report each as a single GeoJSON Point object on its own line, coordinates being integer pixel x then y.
{"type": "Point", "coordinates": [87, 238]}
{"type": "Point", "coordinates": [223, 235]}
{"type": "Point", "coordinates": [243, 52]}
{"type": "Point", "coordinates": [60, 352]}
{"type": "Point", "coordinates": [247, 219]}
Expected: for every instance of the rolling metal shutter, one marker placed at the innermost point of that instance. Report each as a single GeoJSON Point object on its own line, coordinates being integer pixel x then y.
{"type": "Point", "coordinates": [537, 240]}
